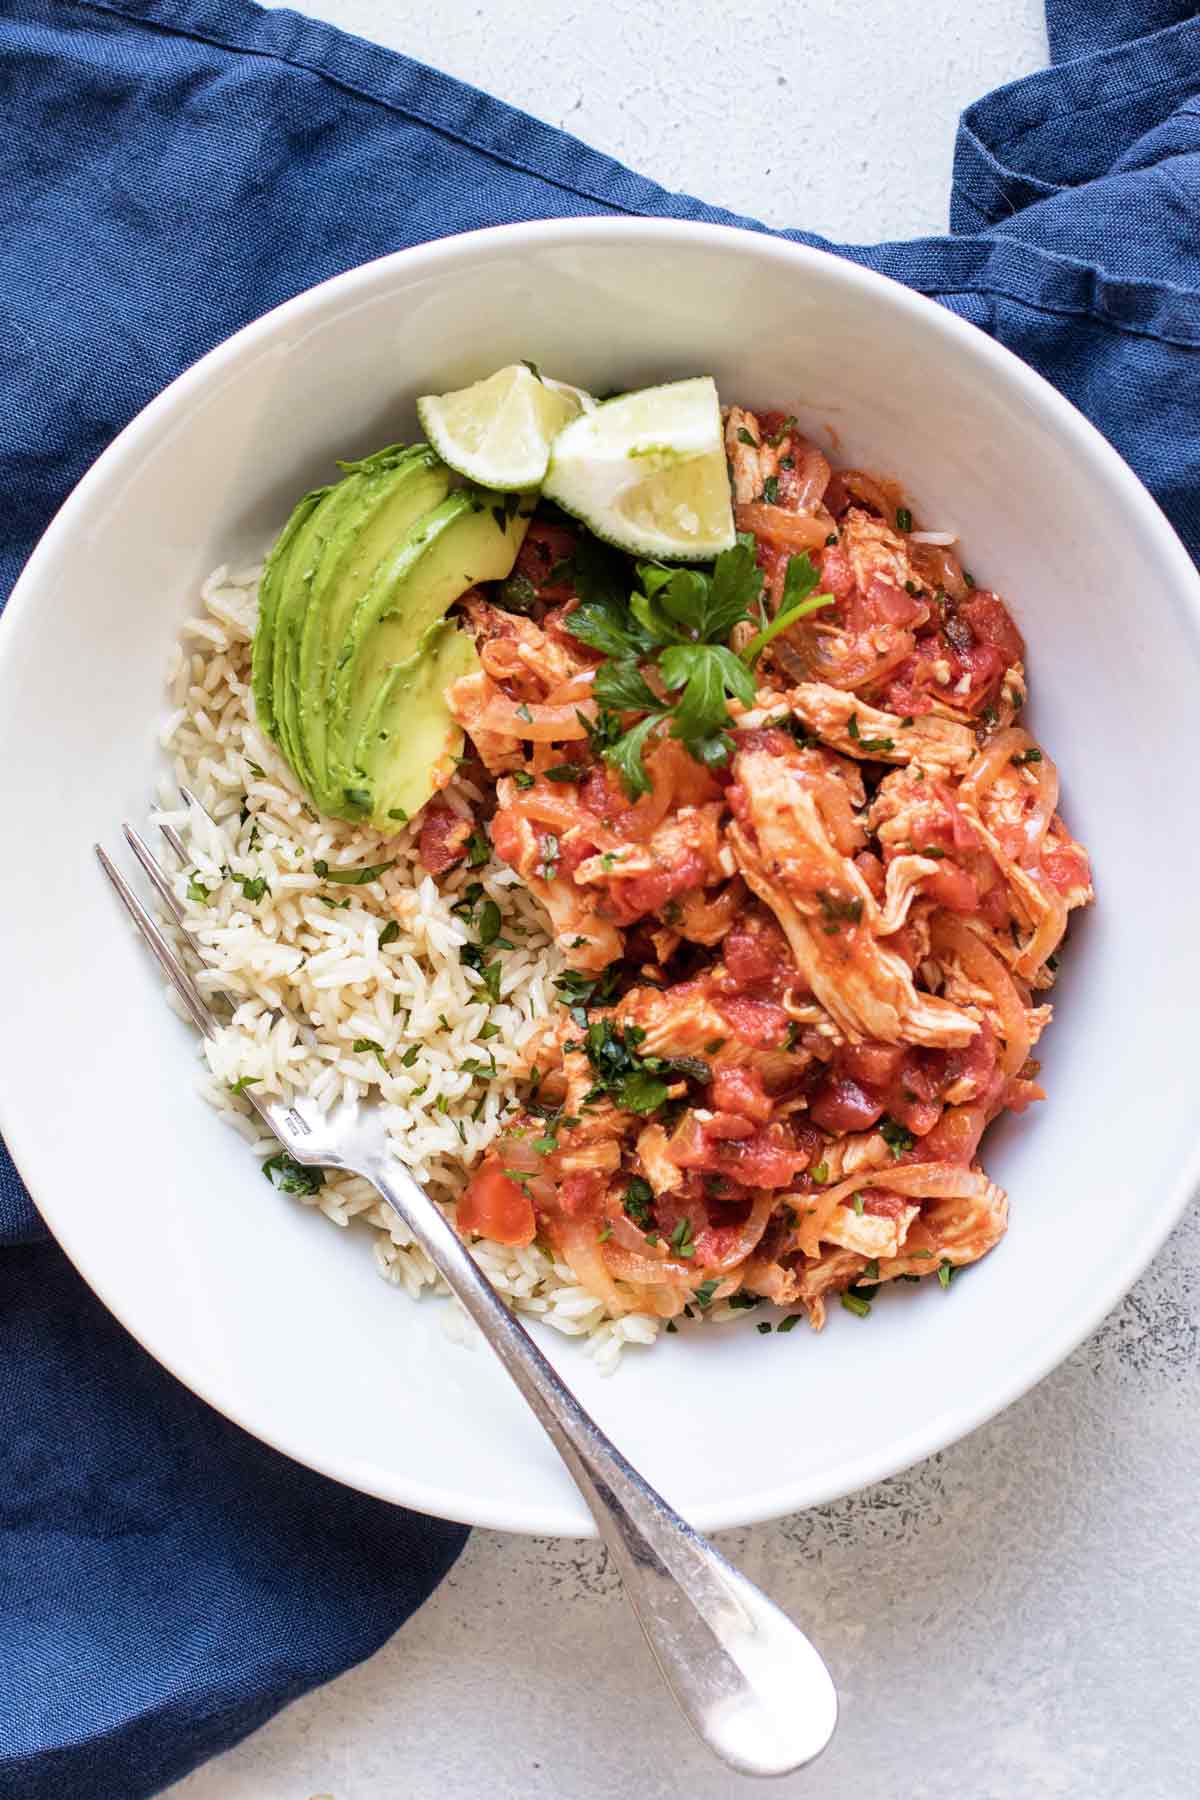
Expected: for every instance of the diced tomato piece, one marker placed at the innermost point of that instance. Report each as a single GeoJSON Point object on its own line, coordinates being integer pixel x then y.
{"type": "Point", "coordinates": [640, 894]}
{"type": "Point", "coordinates": [991, 622]}
{"type": "Point", "coordinates": [741, 1091]}
{"type": "Point", "coordinates": [841, 1104]}
{"type": "Point", "coordinates": [955, 1137]}
{"type": "Point", "coordinates": [879, 1203]}
{"type": "Point", "coordinates": [890, 605]}
{"type": "Point", "coordinates": [579, 1195]}
{"type": "Point", "coordinates": [496, 1207]}
{"type": "Point", "coordinates": [837, 577]}
{"type": "Point", "coordinates": [761, 1023]}
{"type": "Point", "coordinates": [953, 888]}
{"type": "Point", "coordinates": [544, 548]}
{"type": "Point", "coordinates": [443, 838]}
{"type": "Point", "coordinates": [755, 950]}
{"type": "Point", "coordinates": [506, 836]}
{"type": "Point", "coordinates": [874, 1064]}
{"type": "Point", "coordinates": [769, 1158]}
{"type": "Point", "coordinates": [1067, 868]}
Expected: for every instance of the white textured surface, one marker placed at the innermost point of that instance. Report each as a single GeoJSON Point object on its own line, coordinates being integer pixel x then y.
{"type": "Point", "coordinates": [1021, 1615]}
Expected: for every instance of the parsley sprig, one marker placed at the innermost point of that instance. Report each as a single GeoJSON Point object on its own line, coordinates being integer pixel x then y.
{"type": "Point", "coordinates": [677, 624]}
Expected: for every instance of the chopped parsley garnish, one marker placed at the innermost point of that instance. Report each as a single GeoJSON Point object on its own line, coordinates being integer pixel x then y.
{"type": "Point", "coordinates": [242, 1083]}
{"type": "Point", "coordinates": [578, 988]}
{"type": "Point", "coordinates": [858, 1205]}
{"type": "Point", "coordinates": [522, 778]}
{"type": "Point", "coordinates": [789, 424]}
{"type": "Point", "coordinates": [681, 1239]}
{"type": "Point", "coordinates": [704, 1293]}
{"type": "Point", "coordinates": [797, 602]}
{"type": "Point", "coordinates": [291, 1177]}
{"type": "Point", "coordinates": [744, 1302]}
{"type": "Point", "coordinates": [255, 770]}
{"type": "Point", "coordinates": [904, 520]}
{"type": "Point", "coordinates": [770, 491]}
{"type": "Point", "coordinates": [821, 1173]}
{"type": "Point", "coordinates": [764, 1326]}
{"type": "Point", "coordinates": [790, 1323]}
{"type": "Point", "coordinates": [489, 922]}
{"type": "Point", "coordinates": [744, 437]}
{"type": "Point", "coordinates": [897, 1138]}
{"type": "Point", "coordinates": [565, 772]}
{"type": "Point", "coordinates": [855, 1304]}
{"type": "Point", "coordinates": [197, 891]}
{"type": "Point", "coordinates": [398, 812]}
{"type": "Point", "coordinates": [1032, 755]}
{"type": "Point", "coordinates": [678, 621]}
{"type": "Point", "coordinates": [410, 1056]}
{"type": "Point", "coordinates": [523, 712]}
{"type": "Point", "coordinates": [351, 877]}
{"type": "Point", "coordinates": [867, 745]}
{"type": "Point", "coordinates": [871, 1272]}
{"type": "Point", "coordinates": [389, 934]}
{"type": "Point", "coordinates": [946, 1272]}
{"type": "Point", "coordinates": [838, 911]}
{"type": "Point", "coordinates": [253, 886]}
{"type": "Point", "coordinates": [375, 1049]}
{"type": "Point", "coordinates": [639, 1203]}
{"type": "Point", "coordinates": [478, 850]}
{"type": "Point", "coordinates": [634, 1082]}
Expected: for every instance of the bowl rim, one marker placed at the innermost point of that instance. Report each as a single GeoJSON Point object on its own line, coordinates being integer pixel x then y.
{"type": "Point", "coordinates": [509, 1512]}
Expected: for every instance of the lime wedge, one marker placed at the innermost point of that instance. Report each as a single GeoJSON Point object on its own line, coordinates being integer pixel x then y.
{"type": "Point", "coordinates": [647, 472]}
{"type": "Point", "coordinates": [498, 432]}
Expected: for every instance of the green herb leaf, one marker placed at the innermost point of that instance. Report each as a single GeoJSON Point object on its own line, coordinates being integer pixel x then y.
{"type": "Point", "coordinates": [291, 1177]}
{"type": "Point", "coordinates": [897, 1138]}
{"type": "Point", "coordinates": [351, 877]}
{"type": "Point", "coordinates": [626, 757]}
{"type": "Point", "coordinates": [854, 1303]}
{"type": "Point", "coordinates": [639, 1201]}
{"type": "Point", "coordinates": [478, 850]}
{"type": "Point", "coordinates": [197, 891]}
{"type": "Point", "coordinates": [946, 1272]}
{"type": "Point", "coordinates": [622, 686]}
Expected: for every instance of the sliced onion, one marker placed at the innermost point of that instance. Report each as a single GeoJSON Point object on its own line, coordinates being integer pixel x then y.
{"type": "Point", "coordinates": [814, 653]}
{"type": "Point", "coordinates": [983, 967]}
{"type": "Point", "coordinates": [538, 723]}
{"type": "Point", "coordinates": [811, 477]}
{"type": "Point", "coordinates": [993, 763]}
{"type": "Point", "coordinates": [941, 538]}
{"type": "Point", "coordinates": [936, 568]}
{"type": "Point", "coordinates": [789, 530]}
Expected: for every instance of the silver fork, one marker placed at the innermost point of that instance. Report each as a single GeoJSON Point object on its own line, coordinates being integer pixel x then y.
{"type": "Point", "coordinates": [747, 1680]}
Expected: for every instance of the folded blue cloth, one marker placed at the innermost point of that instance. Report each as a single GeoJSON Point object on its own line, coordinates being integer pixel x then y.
{"type": "Point", "coordinates": [169, 169]}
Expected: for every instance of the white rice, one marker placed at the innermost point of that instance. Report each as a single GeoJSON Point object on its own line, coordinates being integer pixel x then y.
{"type": "Point", "coordinates": [321, 967]}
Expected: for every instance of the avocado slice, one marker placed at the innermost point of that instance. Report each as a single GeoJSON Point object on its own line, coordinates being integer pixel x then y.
{"type": "Point", "coordinates": [410, 740]}
{"type": "Point", "coordinates": [469, 536]}
{"type": "Point", "coordinates": [262, 668]}
{"type": "Point", "coordinates": [385, 495]}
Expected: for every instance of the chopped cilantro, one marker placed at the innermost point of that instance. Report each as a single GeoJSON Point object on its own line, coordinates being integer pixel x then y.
{"type": "Point", "coordinates": [770, 491]}
{"type": "Point", "coordinates": [478, 850]}
{"type": "Point", "coordinates": [704, 1293]}
{"type": "Point", "coordinates": [764, 1326]}
{"type": "Point", "coordinates": [639, 1201]}
{"type": "Point", "coordinates": [1032, 755]}
{"type": "Point", "coordinates": [389, 934]}
{"type": "Point", "coordinates": [681, 1239]}
{"type": "Point", "coordinates": [242, 1083]}
{"type": "Point", "coordinates": [253, 886]}
{"type": "Point", "coordinates": [904, 520]}
{"type": "Point", "coordinates": [489, 922]}
{"type": "Point", "coordinates": [821, 1173]}
{"type": "Point", "coordinates": [291, 1177]}
{"type": "Point", "coordinates": [376, 1050]}
{"type": "Point", "coordinates": [855, 1304]}
{"type": "Point", "coordinates": [197, 891]}
{"type": "Point", "coordinates": [565, 772]}
{"type": "Point", "coordinates": [897, 1138]}
{"type": "Point", "coordinates": [522, 778]}
{"type": "Point", "coordinates": [351, 877]}
{"type": "Point", "coordinates": [946, 1272]}
{"type": "Point", "coordinates": [744, 437]}
{"type": "Point", "coordinates": [797, 602]}
{"type": "Point", "coordinates": [790, 1323]}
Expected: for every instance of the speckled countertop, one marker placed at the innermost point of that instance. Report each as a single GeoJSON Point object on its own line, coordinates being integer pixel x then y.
{"type": "Point", "coordinates": [1019, 1616]}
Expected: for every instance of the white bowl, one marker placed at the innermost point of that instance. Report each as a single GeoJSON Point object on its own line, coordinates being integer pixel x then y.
{"type": "Point", "coordinates": [255, 1302]}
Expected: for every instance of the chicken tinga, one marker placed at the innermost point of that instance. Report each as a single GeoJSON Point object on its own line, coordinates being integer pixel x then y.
{"type": "Point", "coordinates": [669, 854]}
{"type": "Point", "coordinates": [809, 879]}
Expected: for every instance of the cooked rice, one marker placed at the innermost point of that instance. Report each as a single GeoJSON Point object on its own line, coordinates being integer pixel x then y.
{"type": "Point", "coordinates": [307, 980]}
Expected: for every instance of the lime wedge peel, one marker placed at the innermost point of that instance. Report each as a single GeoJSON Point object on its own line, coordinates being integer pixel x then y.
{"type": "Point", "coordinates": [646, 471]}
{"type": "Point", "coordinates": [498, 432]}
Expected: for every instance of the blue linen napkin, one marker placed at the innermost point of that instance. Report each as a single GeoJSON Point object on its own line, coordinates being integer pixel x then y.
{"type": "Point", "coordinates": [170, 169]}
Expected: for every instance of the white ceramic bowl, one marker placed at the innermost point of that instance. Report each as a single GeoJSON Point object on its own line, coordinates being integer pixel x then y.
{"type": "Point", "coordinates": [255, 1302]}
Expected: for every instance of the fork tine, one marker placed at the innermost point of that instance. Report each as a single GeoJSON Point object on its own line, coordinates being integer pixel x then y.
{"type": "Point", "coordinates": [146, 857]}
{"type": "Point", "coordinates": [192, 801]}
{"type": "Point", "coordinates": [170, 964]}
{"type": "Point", "coordinates": [176, 842]}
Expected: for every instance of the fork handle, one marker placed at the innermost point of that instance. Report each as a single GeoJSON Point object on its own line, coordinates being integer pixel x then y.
{"type": "Point", "coordinates": [746, 1679]}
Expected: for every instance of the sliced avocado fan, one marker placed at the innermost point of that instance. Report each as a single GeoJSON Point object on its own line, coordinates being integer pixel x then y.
{"type": "Point", "coordinates": [352, 652]}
